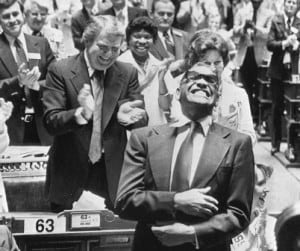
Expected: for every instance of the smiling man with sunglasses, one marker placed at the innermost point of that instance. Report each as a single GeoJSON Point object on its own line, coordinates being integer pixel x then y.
{"type": "Point", "coordinates": [188, 184]}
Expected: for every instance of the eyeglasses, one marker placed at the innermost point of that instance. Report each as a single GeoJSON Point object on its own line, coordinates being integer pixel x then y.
{"type": "Point", "coordinates": [41, 14]}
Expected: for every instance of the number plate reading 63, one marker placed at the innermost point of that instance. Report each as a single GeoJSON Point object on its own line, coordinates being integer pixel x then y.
{"type": "Point", "coordinates": [43, 225]}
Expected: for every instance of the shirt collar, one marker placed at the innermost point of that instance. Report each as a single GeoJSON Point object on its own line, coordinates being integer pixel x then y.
{"type": "Point", "coordinates": [26, 28]}
{"type": "Point", "coordinates": [11, 39]}
{"type": "Point", "coordinates": [121, 10]}
{"type": "Point", "coordinates": [205, 123]}
{"type": "Point", "coordinates": [286, 19]}
{"type": "Point", "coordinates": [161, 34]}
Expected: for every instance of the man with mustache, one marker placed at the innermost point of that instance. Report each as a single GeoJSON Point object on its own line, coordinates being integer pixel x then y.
{"type": "Point", "coordinates": [189, 184]}
{"type": "Point", "coordinates": [24, 60]}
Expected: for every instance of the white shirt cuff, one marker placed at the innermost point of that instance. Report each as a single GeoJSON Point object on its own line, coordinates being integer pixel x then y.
{"type": "Point", "coordinates": [79, 118]}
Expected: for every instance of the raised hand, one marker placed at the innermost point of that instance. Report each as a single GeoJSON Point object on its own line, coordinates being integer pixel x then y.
{"type": "Point", "coordinates": [86, 101]}
{"type": "Point", "coordinates": [196, 202]}
{"type": "Point", "coordinates": [131, 112]}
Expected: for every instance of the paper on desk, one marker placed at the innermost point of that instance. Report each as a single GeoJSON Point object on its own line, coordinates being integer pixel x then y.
{"type": "Point", "coordinates": [89, 201]}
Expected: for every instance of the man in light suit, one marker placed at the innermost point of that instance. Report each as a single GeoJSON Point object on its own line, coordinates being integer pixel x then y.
{"type": "Point", "coordinates": [171, 42]}
{"type": "Point", "coordinates": [210, 201]}
{"type": "Point", "coordinates": [251, 27]}
{"type": "Point", "coordinates": [24, 61]}
{"type": "Point", "coordinates": [90, 100]}
{"type": "Point", "coordinates": [283, 39]}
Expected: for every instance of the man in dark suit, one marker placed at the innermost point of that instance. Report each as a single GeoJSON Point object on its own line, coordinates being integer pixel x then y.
{"type": "Point", "coordinates": [283, 42]}
{"type": "Point", "coordinates": [189, 185]}
{"type": "Point", "coordinates": [24, 60]}
{"type": "Point", "coordinates": [171, 42]}
{"type": "Point", "coordinates": [79, 22]}
{"type": "Point", "coordinates": [123, 12]}
{"type": "Point", "coordinates": [90, 100]}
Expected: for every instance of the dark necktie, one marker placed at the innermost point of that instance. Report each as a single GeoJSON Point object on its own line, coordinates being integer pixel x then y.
{"type": "Point", "coordinates": [182, 167]}
{"type": "Point", "coordinates": [95, 150]}
{"type": "Point", "coordinates": [37, 34]}
{"type": "Point", "coordinates": [289, 21]}
{"type": "Point", "coordinates": [21, 59]}
{"type": "Point", "coordinates": [169, 45]}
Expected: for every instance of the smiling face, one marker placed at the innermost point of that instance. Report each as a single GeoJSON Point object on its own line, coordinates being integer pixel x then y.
{"type": "Point", "coordinates": [198, 92]}
{"type": "Point", "coordinates": [103, 52]}
{"type": "Point", "coordinates": [36, 17]}
{"type": "Point", "coordinates": [140, 42]}
{"type": "Point", "coordinates": [12, 20]}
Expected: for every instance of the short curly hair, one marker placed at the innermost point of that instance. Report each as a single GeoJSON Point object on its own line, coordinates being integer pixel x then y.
{"type": "Point", "coordinates": [141, 23]}
{"type": "Point", "coordinates": [201, 42]}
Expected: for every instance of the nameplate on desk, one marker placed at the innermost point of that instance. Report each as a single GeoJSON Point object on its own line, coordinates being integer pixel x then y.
{"type": "Point", "coordinates": [44, 225]}
{"type": "Point", "coordinates": [296, 78]}
{"type": "Point", "coordinates": [85, 220]}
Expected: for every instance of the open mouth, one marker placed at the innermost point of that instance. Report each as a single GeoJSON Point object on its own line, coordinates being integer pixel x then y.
{"type": "Point", "coordinates": [199, 91]}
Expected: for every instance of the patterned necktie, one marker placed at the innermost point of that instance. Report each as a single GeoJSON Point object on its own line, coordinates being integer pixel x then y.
{"type": "Point", "coordinates": [21, 59]}
{"type": "Point", "coordinates": [121, 17]}
{"type": "Point", "coordinates": [182, 167]}
{"type": "Point", "coordinates": [169, 45]}
{"type": "Point", "coordinates": [95, 150]}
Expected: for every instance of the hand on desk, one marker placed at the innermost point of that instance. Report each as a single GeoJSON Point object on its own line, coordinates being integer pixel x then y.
{"type": "Point", "coordinates": [174, 234]}
{"type": "Point", "coordinates": [29, 78]}
{"type": "Point", "coordinates": [131, 112]}
{"type": "Point", "coordinates": [196, 202]}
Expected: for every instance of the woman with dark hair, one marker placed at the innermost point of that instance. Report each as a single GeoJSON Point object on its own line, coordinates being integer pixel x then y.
{"type": "Point", "coordinates": [141, 32]}
{"type": "Point", "coordinates": [233, 109]}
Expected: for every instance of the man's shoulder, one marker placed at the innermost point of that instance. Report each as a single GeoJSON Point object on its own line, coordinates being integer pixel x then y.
{"type": "Point", "coordinates": [124, 66]}
{"type": "Point", "coordinates": [230, 134]}
{"type": "Point", "coordinates": [178, 32]}
{"type": "Point", "coordinates": [137, 10]}
{"type": "Point", "coordinates": [66, 64]}
{"type": "Point", "coordinates": [149, 131]}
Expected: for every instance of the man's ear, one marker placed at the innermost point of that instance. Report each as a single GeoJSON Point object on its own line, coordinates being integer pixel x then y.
{"type": "Point", "coordinates": [177, 94]}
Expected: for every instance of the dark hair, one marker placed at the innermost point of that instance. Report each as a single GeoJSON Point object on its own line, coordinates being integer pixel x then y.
{"type": "Point", "coordinates": [201, 42]}
{"type": "Point", "coordinates": [6, 4]}
{"type": "Point", "coordinates": [99, 24]}
{"type": "Point", "coordinates": [141, 23]}
{"type": "Point", "coordinates": [156, 1]}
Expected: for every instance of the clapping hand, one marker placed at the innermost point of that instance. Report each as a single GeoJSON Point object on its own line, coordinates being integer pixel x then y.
{"type": "Point", "coordinates": [175, 234]}
{"type": "Point", "coordinates": [86, 101]}
{"type": "Point", "coordinates": [29, 78]}
{"type": "Point", "coordinates": [5, 112]}
{"type": "Point", "coordinates": [196, 202]}
{"type": "Point", "coordinates": [131, 112]}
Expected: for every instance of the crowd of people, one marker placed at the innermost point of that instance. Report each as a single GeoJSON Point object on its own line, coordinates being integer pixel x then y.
{"type": "Point", "coordinates": [140, 104]}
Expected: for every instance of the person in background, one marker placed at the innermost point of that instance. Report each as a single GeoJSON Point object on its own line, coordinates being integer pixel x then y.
{"type": "Point", "coordinates": [171, 42]}
{"type": "Point", "coordinates": [260, 235]}
{"type": "Point", "coordinates": [24, 61]}
{"type": "Point", "coordinates": [36, 12]}
{"type": "Point", "coordinates": [252, 24]}
{"type": "Point", "coordinates": [80, 19]}
{"type": "Point", "coordinates": [123, 12]}
{"type": "Point", "coordinates": [90, 101]}
{"type": "Point", "coordinates": [188, 184]}
{"type": "Point", "coordinates": [283, 42]}
{"type": "Point", "coordinates": [140, 34]}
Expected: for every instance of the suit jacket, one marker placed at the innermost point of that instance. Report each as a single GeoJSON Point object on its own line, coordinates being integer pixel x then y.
{"type": "Point", "coordinates": [226, 165]}
{"type": "Point", "coordinates": [10, 89]}
{"type": "Point", "coordinates": [180, 39]}
{"type": "Point", "coordinates": [68, 156]}
{"type": "Point", "coordinates": [243, 40]}
{"type": "Point", "coordinates": [277, 34]}
{"type": "Point", "coordinates": [79, 22]}
{"type": "Point", "coordinates": [133, 12]}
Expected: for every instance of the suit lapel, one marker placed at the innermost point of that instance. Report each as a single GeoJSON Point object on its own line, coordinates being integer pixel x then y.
{"type": "Point", "coordinates": [7, 57]}
{"type": "Point", "coordinates": [32, 47]}
{"type": "Point", "coordinates": [159, 47]}
{"type": "Point", "coordinates": [80, 72]}
{"type": "Point", "coordinates": [160, 158]}
{"type": "Point", "coordinates": [113, 86]}
{"type": "Point", "coordinates": [178, 42]}
{"type": "Point", "coordinates": [214, 149]}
